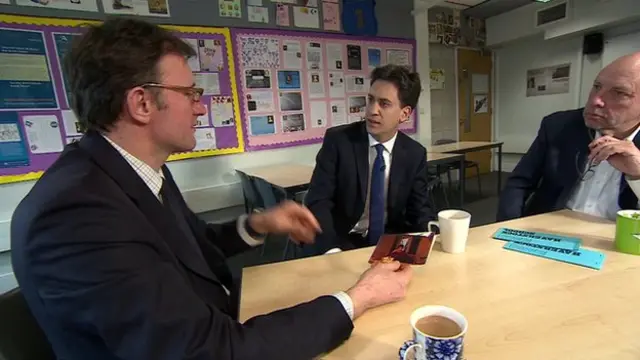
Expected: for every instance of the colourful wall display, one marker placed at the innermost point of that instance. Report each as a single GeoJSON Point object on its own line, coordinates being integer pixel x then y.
{"type": "Point", "coordinates": [294, 85]}
{"type": "Point", "coordinates": [36, 121]}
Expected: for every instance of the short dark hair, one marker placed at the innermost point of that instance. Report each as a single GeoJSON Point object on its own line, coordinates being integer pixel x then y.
{"type": "Point", "coordinates": [111, 58]}
{"type": "Point", "coordinates": [406, 81]}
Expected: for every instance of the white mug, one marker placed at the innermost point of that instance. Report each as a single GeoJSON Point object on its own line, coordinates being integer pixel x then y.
{"type": "Point", "coordinates": [424, 346]}
{"type": "Point", "coordinates": [454, 229]}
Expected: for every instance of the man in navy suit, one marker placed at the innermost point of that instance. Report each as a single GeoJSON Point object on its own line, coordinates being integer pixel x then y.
{"type": "Point", "coordinates": [369, 177]}
{"type": "Point", "coordinates": [112, 262]}
{"type": "Point", "coordinates": [585, 160]}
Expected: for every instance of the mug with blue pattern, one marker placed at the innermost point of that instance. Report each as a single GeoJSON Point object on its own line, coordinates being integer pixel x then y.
{"type": "Point", "coordinates": [428, 347]}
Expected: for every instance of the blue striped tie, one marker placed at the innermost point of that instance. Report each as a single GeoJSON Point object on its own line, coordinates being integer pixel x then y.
{"type": "Point", "coordinates": [376, 198]}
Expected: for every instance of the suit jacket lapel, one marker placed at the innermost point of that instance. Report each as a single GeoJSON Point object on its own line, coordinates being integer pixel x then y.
{"type": "Point", "coordinates": [361, 150]}
{"type": "Point", "coordinates": [396, 171]}
{"type": "Point", "coordinates": [163, 220]}
{"type": "Point", "coordinates": [627, 199]}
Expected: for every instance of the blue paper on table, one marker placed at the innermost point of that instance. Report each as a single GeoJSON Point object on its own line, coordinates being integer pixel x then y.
{"type": "Point", "coordinates": [537, 238]}
{"type": "Point", "coordinates": [583, 257]}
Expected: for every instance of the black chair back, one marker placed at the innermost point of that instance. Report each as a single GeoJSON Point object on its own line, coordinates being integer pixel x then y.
{"type": "Point", "coordinates": [22, 338]}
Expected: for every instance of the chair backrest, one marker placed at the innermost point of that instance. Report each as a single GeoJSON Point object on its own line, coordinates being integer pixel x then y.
{"type": "Point", "coordinates": [22, 338]}
{"type": "Point", "coordinates": [444, 141]}
{"type": "Point", "coordinates": [269, 195]}
{"type": "Point", "coordinates": [251, 197]}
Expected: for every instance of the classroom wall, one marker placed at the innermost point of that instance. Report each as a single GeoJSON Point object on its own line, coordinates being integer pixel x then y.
{"type": "Point", "coordinates": [517, 117]}
{"type": "Point", "coordinates": [211, 183]}
{"type": "Point", "coordinates": [584, 16]}
{"type": "Point", "coordinates": [443, 102]}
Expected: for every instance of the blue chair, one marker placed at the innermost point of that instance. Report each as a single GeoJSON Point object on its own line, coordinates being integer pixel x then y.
{"type": "Point", "coordinates": [252, 199]}
{"type": "Point", "coordinates": [271, 196]}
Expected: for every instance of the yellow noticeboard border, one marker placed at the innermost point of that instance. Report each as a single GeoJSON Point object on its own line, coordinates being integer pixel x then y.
{"type": "Point", "coordinates": [225, 32]}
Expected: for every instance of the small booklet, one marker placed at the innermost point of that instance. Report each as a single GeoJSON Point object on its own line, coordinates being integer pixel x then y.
{"type": "Point", "coordinates": [411, 249]}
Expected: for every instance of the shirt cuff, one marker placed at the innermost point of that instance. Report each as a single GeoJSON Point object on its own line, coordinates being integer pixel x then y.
{"type": "Point", "coordinates": [346, 302]}
{"type": "Point", "coordinates": [244, 234]}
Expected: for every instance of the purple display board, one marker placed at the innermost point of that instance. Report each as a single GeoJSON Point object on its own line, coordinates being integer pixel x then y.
{"type": "Point", "coordinates": [294, 85]}
{"type": "Point", "coordinates": [36, 122]}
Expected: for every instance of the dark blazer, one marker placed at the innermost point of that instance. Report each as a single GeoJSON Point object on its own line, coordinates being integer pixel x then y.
{"type": "Point", "coordinates": [544, 179]}
{"type": "Point", "coordinates": [338, 188]}
{"type": "Point", "coordinates": [109, 273]}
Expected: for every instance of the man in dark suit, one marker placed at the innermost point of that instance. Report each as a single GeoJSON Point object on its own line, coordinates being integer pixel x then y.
{"type": "Point", "coordinates": [369, 177]}
{"type": "Point", "coordinates": [588, 159]}
{"type": "Point", "coordinates": [110, 259]}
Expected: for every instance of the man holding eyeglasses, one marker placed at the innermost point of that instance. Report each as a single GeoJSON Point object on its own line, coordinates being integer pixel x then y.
{"type": "Point", "coordinates": [112, 262]}
{"type": "Point", "coordinates": [587, 159]}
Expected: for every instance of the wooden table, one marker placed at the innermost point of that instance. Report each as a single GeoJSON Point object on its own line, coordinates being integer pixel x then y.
{"type": "Point", "coordinates": [463, 147]}
{"type": "Point", "coordinates": [518, 306]}
{"type": "Point", "coordinates": [286, 175]}
{"type": "Point", "coordinates": [435, 158]}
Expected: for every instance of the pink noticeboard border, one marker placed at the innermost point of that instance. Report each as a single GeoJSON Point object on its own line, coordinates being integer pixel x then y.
{"type": "Point", "coordinates": [310, 135]}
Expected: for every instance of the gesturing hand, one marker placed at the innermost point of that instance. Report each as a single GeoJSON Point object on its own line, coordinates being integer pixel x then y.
{"type": "Point", "coordinates": [621, 154]}
{"type": "Point", "coordinates": [287, 218]}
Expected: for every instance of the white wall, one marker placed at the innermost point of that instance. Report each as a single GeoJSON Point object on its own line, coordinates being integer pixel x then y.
{"type": "Point", "coordinates": [517, 117]}
{"type": "Point", "coordinates": [444, 119]}
{"type": "Point", "coordinates": [584, 16]}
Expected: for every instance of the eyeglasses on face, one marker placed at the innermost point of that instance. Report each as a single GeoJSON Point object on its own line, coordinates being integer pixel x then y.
{"type": "Point", "coordinates": [194, 93]}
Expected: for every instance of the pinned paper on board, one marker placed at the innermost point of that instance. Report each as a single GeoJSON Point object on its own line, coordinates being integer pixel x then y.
{"type": "Point", "coordinates": [436, 77]}
{"type": "Point", "coordinates": [306, 17]}
{"type": "Point", "coordinates": [548, 80]}
{"type": "Point", "coordinates": [229, 8]}
{"type": "Point", "coordinates": [137, 7]}
{"type": "Point", "coordinates": [85, 5]}
{"type": "Point", "coordinates": [258, 14]}
{"type": "Point", "coordinates": [282, 15]}
{"type": "Point", "coordinates": [331, 16]}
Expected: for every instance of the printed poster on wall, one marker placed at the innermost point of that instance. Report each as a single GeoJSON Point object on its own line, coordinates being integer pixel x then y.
{"type": "Point", "coordinates": [548, 80]}
{"type": "Point", "coordinates": [78, 5]}
{"type": "Point", "coordinates": [293, 87]}
{"type": "Point", "coordinates": [137, 7]}
{"type": "Point", "coordinates": [36, 121]}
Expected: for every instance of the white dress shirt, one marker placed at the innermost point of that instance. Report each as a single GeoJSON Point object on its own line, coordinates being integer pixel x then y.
{"type": "Point", "coordinates": [154, 180]}
{"type": "Point", "coordinates": [362, 226]}
{"type": "Point", "coordinates": [598, 194]}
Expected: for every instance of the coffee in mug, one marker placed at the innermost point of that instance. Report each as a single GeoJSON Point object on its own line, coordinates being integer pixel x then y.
{"type": "Point", "coordinates": [438, 333]}
{"type": "Point", "coordinates": [439, 326]}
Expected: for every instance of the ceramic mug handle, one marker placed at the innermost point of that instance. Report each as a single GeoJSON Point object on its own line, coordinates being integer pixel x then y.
{"type": "Point", "coordinates": [432, 223]}
{"type": "Point", "coordinates": [407, 347]}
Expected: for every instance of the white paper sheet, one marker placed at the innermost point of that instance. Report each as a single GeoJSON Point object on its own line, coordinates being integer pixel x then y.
{"type": "Point", "coordinates": [43, 134]}
{"type": "Point", "coordinates": [194, 61]}
{"type": "Point", "coordinates": [334, 56]}
{"type": "Point", "coordinates": [314, 56]}
{"type": "Point", "coordinates": [338, 112]}
{"type": "Point", "coordinates": [260, 101]}
{"type": "Point", "coordinates": [316, 84]}
{"type": "Point", "coordinates": [292, 51]}
{"type": "Point", "coordinates": [210, 82]}
{"type": "Point", "coordinates": [306, 17]}
{"type": "Point", "coordinates": [356, 84]}
{"type": "Point", "coordinates": [71, 125]}
{"type": "Point", "coordinates": [137, 7]}
{"type": "Point", "coordinates": [222, 111]}
{"type": "Point", "coordinates": [85, 5]}
{"type": "Point", "coordinates": [203, 120]}
{"type": "Point", "coordinates": [258, 14]}
{"type": "Point", "coordinates": [205, 139]}
{"type": "Point", "coordinates": [398, 57]}
{"type": "Point", "coordinates": [318, 114]}
{"type": "Point", "coordinates": [336, 84]}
